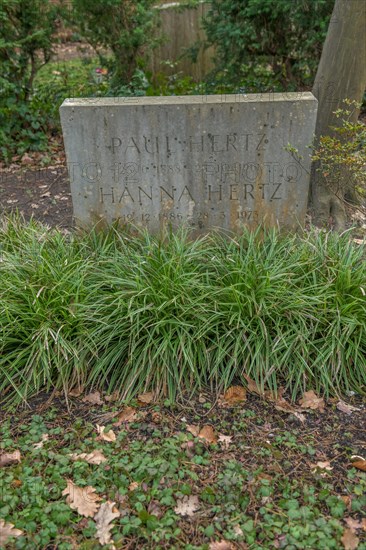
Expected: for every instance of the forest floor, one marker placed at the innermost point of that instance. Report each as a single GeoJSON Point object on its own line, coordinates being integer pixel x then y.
{"type": "Point", "coordinates": [200, 473]}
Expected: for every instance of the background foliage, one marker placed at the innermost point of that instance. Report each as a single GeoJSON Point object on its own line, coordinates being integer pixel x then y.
{"type": "Point", "coordinates": [26, 38]}
{"type": "Point", "coordinates": [286, 35]}
{"type": "Point", "coordinates": [126, 28]}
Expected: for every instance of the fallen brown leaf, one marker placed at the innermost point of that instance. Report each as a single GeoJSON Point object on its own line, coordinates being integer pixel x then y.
{"type": "Point", "coordinates": [77, 391]}
{"type": "Point", "coordinates": [311, 401]}
{"type": "Point", "coordinates": [225, 440]}
{"type": "Point", "coordinates": [284, 406]}
{"type": "Point", "coordinates": [128, 414]}
{"type": "Point", "coordinates": [221, 545]}
{"type": "Point", "coordinates": [113, 397]}
{"type": "Point", "coordinates": [208, 434]}
{"type": "Point", "coordinates": [235, 395]}
{"type": "Point", "coordinates": [103, 518]}
{"type": "Point", "coordinates": [354, 524]}
{"type": "Point", "coordinates": [16, 483]}
{"type": "Point", "coordinates": [348, 409]}
{"type": "Point", "coordinates": [7, 459]}
{"type": "Point", "coordinates": [187, 506]}
{"type": "Point", "coordinates": [349, 540]}
{"type": "Point", "coordinates": [156, 417]}
{"type": "Point", "coordinates": [109, 436]}
{"type": "Point", "coordinates": [133, 486]}
{"type": "Point", "coordinates": [322, 466]}
{"type": "Point", "coordinates": [359, 462]}
{"type": "Point", "coordinates": [146, 398]}
{"type": "Point", "coordinates": [93, 398]}
{"type": "Point", "coordinates": [266, 394]}
{"type": "Point", "coordinates": [82, 499]}
{"type": "Point", "coordinates": [7, 531]}
{"type": "Point", "coordinates": [39, 445]}
{"type": "Point", "coordinates": [252, 385]}
{"type": "Point", "coordinates": [154, 508]}
{"type": "Point", "coordinates": [95, 457]}
{"type": "Point", "coordinates": [194, 430]}
{"type": "Point", "coordinates": [347, 500]}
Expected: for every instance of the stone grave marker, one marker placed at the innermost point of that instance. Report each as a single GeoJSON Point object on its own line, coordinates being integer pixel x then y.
{"type": "Point", "coordinates": [207, 162]}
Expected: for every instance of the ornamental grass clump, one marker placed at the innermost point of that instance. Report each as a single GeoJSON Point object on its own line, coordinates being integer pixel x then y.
{"type": "Point", "coordinates": [42, 282]}
{"type": "Point", "coordinates": [137, 313]}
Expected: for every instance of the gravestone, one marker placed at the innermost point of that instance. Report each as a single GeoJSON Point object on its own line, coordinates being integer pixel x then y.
{"type": "Point", "coordinates": [203, 161]}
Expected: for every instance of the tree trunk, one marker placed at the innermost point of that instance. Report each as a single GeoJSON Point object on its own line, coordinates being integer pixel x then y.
{"type": "Point", "coordinates": [341, 75]}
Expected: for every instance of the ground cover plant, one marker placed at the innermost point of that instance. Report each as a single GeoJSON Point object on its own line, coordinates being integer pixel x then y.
{"type": "Point", "coordinates": [135, 313]}
{"type": "Point", "coordinates": [208, 474]}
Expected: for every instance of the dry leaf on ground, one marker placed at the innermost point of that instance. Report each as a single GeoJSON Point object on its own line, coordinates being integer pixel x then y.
{"type": "Point", "coordinates": [156, 417]}
{"type": "Point", "coordinates": [282, 405]}
{"type": "Point", "coordinates": [322, 466]}
{"type": "Point", "coordinates": [208, 434]}
{"type": "Point", "coordinates": [344, 407]}
{"type": "Point", "coordinates": [266, 394]}
{"type": "Point", "coordinates": [252, 385]}
{"type": "Point", "coordinates": [311, 401]}
{"type": "Point", "coordinates": [235, 395]}
{"type": "Point", "coordinates": [187, 506]}
{"type": "Point", "coordinates": [7, 459]}
{"type": "Point", "coordinates": [95, 457]}
{"type": "Point", "coordinates": [113, 397]}
{"type": "Point", "coordinates": [128, 414]}
{"type": "Point", "coordinates": [154, 508]}
{"type": "Point", "coordinates": [109, 436]}
{"type": "Point", "coordinates": [7, 530]}
{"type": "Point", "coordinates": [133, 486]}
{"type": "Point", "coordinates": [93, 398]}
{"type": "Point", "coordinates": [82, 499]}
{"type": "Point", "coordinates": [103, 518]}
{"type": "Point", "coordinates": [146, 398]}
{"type": "Point", "coordinates": [354, 524]}
{"type": "Point", "coordinates": [77, 391]}
{"type": "Point", "coordinates": [221, 545]}
{"type": "Point", "coordinates": [39, 445]}
{"type": "Point", "coordinates": [359, 462]}
{"type": "Point", "coordinates": [349, 540]}
{"type": "Point", "coordinates": [225, 440]}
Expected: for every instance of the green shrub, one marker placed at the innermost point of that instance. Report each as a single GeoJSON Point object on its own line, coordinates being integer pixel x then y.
{"type": "Point", "coordinates": [125, 28]}
{"type": "Point", "coordinates": [342, 156]}
{"type": "Point", "coordinates": [26, 38]}
{"type": "Point", "coordinates": [286, 35]}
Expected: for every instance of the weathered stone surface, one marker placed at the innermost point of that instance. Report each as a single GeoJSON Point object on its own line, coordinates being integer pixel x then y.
{"type": "Point", "coordinates": [204, 161]}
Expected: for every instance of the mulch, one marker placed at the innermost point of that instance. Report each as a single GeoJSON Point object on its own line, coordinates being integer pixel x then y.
{"type": "Point", "coordinates": [41, 193]}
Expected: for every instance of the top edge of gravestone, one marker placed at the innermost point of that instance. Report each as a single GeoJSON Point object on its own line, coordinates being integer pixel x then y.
{"type": "Point", "coordinates": [267, 97]}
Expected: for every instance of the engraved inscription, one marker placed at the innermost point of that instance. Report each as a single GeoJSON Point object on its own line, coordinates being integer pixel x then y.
{"type": "Point", "coordinates": [212, 162]}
